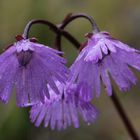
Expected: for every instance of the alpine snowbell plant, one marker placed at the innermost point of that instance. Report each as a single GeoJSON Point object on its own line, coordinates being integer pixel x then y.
{"type": "Point", "coordinates": [30, 66]}
{"type": "Point", "coordinates": [58, 95]}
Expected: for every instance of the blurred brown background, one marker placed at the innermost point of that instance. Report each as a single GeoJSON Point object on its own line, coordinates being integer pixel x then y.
{"type": "Point", "coordinates": [120, 17]}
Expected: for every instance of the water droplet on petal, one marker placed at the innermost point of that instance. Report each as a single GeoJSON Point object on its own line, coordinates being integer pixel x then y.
{"type": "Point", "coordinates": [88, 123]}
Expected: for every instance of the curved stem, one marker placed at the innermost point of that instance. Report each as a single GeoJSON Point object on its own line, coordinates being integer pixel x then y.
{"type": "Point", "coordinates": [52, 26]}
{"type": "Point", "coordinates": [38, 21]}
{"type": "Point", "coordinates": [70, 17]}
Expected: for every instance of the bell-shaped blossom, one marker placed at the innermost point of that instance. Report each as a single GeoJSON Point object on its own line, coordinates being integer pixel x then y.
{"type": "Point", "coordinates": [30, 66]}
{"type": "Point", "coordinates": [102, 57]}
{"type": "Point", "coordinates": [62, 110]}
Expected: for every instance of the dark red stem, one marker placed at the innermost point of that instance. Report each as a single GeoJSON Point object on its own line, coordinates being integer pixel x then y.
{"type": "Point", "coordinates": [52, 26]}
{"type": "Point", "coordinates": [38, 21]}
{"type": "Point", "coordinates": [123, 116]}
{"type": "Point", "coordinates": [70, 17]}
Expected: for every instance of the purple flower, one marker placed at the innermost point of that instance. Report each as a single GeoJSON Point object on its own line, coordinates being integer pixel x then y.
{"type": "Point", "coordinates": [62, 110]}
{"type": "Point", "coordinates": [101, 56]}
{"type": "Point", "coordinates": [30, 66]}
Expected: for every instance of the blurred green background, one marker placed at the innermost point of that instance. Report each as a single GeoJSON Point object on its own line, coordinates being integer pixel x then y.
{"type": "Point", "coordinates": [120, 17]}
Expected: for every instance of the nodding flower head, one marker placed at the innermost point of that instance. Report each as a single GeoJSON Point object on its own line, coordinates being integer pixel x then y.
{"type": "Point", "coordinates": [103, 55]}
{"type": "Point", "coordinates": [30, 66]}
{"type": "Point", "coordinates": [63, 110]}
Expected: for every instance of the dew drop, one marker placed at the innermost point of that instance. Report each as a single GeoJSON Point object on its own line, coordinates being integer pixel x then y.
{"type": "Point", "coordinates": [88, 123]}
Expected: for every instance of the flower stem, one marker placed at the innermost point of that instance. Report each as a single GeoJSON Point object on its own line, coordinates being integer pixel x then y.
{"type": "Point", "coordinates": [70, 17]}
{"type": "Point", "coordinates": [123, 116]}
{"type": "Point", "coordinates": [57, 43]}
{"type": "Point", "coordinates": [52, 26]}
{"type": "Point", "coordinates": [38, 21]}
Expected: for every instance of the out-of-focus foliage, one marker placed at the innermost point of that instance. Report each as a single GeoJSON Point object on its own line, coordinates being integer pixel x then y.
{"type": "Point", "coordinates": [120, 18]}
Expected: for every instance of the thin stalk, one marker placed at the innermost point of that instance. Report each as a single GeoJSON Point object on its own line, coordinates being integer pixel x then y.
{"type": "Point", "coordinates": [38, 21]}
{"type": "Point", "coordinates": [58, 42]}
{"type": "Point", "coordinates": [123, 116]}
{"type": "Point", "coordinates": [52, 26]}
{"type": "Point", "coordinates": [70, 17]}
{"type": "Point", "coordinates": [67, 20]}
